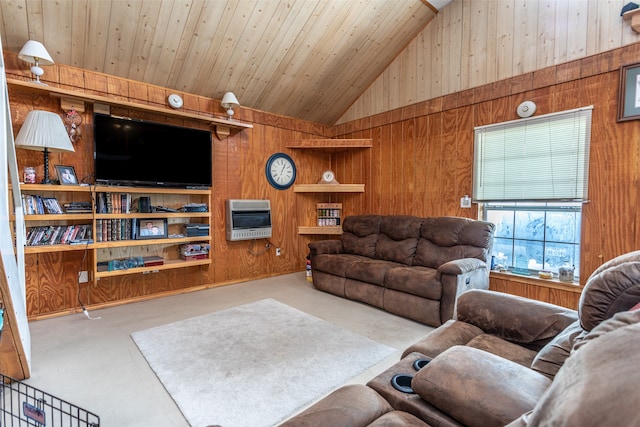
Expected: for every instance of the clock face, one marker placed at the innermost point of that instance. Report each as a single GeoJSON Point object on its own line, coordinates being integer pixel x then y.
{"type": "Point", "coordinates": [280, 171]}
{"type": "Point", "coordinates": [328, 176]}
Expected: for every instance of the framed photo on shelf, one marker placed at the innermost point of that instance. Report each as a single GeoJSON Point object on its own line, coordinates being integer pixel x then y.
{"type": "Point", "coordinates": [629, 93]}
{"type": "Point", "coordinates": [66, 175]}
{"type": "Point", "coordinates": [151, 228]}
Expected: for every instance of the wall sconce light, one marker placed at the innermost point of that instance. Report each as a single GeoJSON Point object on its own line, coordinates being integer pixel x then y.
{"type": "Point", "coordinates": [35, 53]}
{"type": "Point", "coordinates": [44, 131]}
{"type": "Point", "coordinates": [229, 102]}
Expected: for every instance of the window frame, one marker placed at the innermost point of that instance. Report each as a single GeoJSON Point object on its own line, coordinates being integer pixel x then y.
{"type": "Point", "coordinates": [536, 206]}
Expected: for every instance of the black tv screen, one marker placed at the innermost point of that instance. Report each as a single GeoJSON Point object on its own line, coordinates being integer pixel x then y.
{"type": "Point", "coordinates": [134, 152]}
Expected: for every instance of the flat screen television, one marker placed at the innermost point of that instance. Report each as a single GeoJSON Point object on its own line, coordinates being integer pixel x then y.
{"type": "Point", "coordinates": [142, 153]}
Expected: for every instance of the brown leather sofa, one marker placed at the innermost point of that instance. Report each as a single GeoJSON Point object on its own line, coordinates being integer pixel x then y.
{"type": "Point", "coordinates": [410, 266]}
{"type": "Point", "coordinates": [508, 360]}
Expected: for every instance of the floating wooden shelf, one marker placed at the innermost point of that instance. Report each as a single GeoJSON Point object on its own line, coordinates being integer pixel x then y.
{"type": "Point", "coordinates": [38, 249]}
{"type": "Point", "coordinates": [634, 16]}
{"type": "Point", "coordinates": [56, 188]}
{"type": "Point", "coordinates": [59, 217]}
{"type": "Point", "coordinates": [329, 144]}
{"type": "Point", "coordinates": [146, 190]}
{"type": "Point", "coordinates": [328, 188]}
{"type": "Point", "coordinates": [223, 126]}
{"type": "Point", "coordinates": [168, 265]}
{"type": "Point", "coordinates": [320, 230]}
{"type": "Point", "coordinates": [146, 242]}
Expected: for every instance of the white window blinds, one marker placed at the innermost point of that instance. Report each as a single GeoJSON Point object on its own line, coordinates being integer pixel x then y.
{"type": "Point", "coordinates": [544, 158]}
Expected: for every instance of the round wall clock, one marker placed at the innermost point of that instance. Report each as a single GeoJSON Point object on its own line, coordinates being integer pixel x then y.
{"type": "Point", "coordinates": [280, 171]}
{"type": "Point", "coordinates": [175, 101]}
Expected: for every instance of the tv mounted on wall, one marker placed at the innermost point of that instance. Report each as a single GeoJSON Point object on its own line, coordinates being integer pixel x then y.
{"type": "Point", "coordinates": [142, 153]}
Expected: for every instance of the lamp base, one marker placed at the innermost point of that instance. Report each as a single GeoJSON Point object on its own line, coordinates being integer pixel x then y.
{"type": "Point", "coordinates": [45, 179]}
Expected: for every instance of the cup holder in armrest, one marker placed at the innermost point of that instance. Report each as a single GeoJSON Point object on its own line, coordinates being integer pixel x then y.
{"type": "Point", "coordinates": [402, 382]}
{"type": "Point", "coordinates": [420, 363]}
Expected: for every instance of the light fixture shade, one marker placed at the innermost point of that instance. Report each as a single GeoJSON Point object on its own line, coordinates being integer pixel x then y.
{"type": "Point", "coordinates": [43, 129]}
{"type": "Point", "coordinates": [33, 51]}
{"type": "Point", "coordinates": [229, 100]}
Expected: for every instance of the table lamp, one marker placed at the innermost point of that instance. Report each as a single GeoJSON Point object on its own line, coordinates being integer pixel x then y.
{"type": "Point", "coordinates": [35, 53]}
{"type": "Point", "coordinates": [44, 131]}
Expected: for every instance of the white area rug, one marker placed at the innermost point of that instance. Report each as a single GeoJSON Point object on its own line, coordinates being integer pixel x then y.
{"type": "Point", "coordinates": [253, 365]}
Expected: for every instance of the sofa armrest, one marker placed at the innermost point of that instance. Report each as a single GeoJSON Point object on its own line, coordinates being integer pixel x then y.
{"type": "Point", "coordinates": [513, 318]}
{"type": "Point", "coordinates": [457, 277]}
{"type": "Point", "coordinates": [478, 388]}
{"type": "Point", "coordinates": [461, 266]}
{"type": "Point", "coordinates": [325, 247]}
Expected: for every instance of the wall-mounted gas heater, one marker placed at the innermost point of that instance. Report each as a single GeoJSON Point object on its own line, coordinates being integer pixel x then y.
{"type": "Point", "coordinates": [248, 219]}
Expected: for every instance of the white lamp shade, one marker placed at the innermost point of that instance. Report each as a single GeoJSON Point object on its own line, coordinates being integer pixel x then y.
{"type": "Point", "coordinates": [229, 100]}
{"type": "Point", "coordinates": [33, 50]}
{"type": "Point", "coordinates": [43, 129]}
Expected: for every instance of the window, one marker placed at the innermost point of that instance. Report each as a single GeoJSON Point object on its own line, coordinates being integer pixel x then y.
{"type": "Point", "coordinates": [531, 177]}
{"type": "Point", "coordinates": [535, 236]}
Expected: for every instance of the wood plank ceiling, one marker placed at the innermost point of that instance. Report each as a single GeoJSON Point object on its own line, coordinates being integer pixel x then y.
{"type": "Point", "coordinates": [308, 59]}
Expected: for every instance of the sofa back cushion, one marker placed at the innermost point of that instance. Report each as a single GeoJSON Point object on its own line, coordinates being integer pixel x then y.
{"type": "Point", "coordinates": [447, 238]}
{"type": "Point", "coordinates": [360, 234]}
{"type": "Point", "coordinates": [611, 288]}
{"type": "Point", "coordinates": [597, 385]}
{"type": "Point", "coordinates": [398, 238]}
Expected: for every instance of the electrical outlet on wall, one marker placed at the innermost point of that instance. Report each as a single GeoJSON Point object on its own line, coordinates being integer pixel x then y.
{"type": "Point", "coordinates": [83, 277]}
{"type": "Point", "coordinates": [465, 202]}
{"type": "Point", "coordinates": [278, 252]}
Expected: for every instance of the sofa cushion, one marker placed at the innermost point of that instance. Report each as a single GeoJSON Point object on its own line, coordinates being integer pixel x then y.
{"type": "Point", "coordinates": [420, 281]}
{"type": "Point", "coordinates": [398, 238]}
{"type": "Point", "coordinates": [336, 264]}
{"type": "Point", "coordinates": [478, 388]}
{"type": "Point", "coordinates": [360, 234]}
{"type": "Point", "coordinates": [444, 239]}
{"type": "Point", "coordinates": [597, 386]}
{"type": "Point", "coordinates": [514, 318]}
{"type": "Point", "coordinates": [619, 320]}
{"type": "Point", "coordinates": [503, 348]}
{"type": "Point", "coordinates": [552, 356]}
{"type": "Point", "coordinates": [370, 270]}
{"type": "Point", "coordinates": [398, 419]}
{"type": "Point", "coordinates": [452, 332]}
{"type": "Point", "coordinates": [353, 405]}
{"type": "Point", "coordinates": [609, 291]}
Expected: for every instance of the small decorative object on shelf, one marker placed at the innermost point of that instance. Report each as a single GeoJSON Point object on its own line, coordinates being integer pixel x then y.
{"type": "Point", "coordinates": [328, 177]}
{"type": "Point", "coordinates": [29, 175]}
{"type": "Point", "coordinates": [329, 214]}
{"type": "Point", "coordinates": [192, 251]}
{"type": "Point", "coordinates": [66, 175]}
{"type": "Point", "coordinates": [565, 272]}
{"type": "Point", "coordinates": [150, 228]}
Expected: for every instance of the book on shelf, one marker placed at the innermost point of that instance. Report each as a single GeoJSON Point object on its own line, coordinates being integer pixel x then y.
{"type": "Point", "coordinates": [78, 207]}
{"type": "Point", "coordinates": [45, 235]}
{"type": "Point", "coordinates": [108, 230]}
{"type": "Point", "coordinates": [150, 261]}
{"type": "Point", "coordinates": [39, 205]}
{"type": "Point", "coordinates": [107, 202]}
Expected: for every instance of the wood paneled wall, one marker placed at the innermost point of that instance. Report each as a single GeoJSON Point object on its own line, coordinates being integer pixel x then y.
{"type": "Point", "coordinates": [238, 160]}
{"type": "Point", "coordinates": [471, 43]}
{"type": "Point", "coordinates": [420, 164]}
{"type": "Point", "coordinates": [422, 159]}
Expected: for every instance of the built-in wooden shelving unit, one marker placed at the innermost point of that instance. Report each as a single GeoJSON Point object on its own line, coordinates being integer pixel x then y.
{"type": "Point", "coordinates": [222, 125]}
{"type": "Point", "coordinates": [333, 146]}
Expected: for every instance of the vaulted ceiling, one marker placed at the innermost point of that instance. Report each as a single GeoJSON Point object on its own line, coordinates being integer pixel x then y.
{"type": "Point", "coordinates": [308, 59]}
